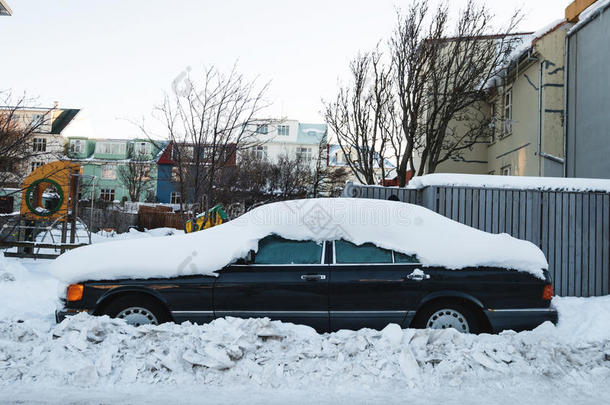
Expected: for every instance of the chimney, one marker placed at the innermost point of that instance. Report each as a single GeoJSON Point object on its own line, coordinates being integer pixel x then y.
{"type": "Point", "coordinates": [575, 8]}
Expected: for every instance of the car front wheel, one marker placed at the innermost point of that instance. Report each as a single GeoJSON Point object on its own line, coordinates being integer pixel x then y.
{"type": "Point", "coordinates": [137, 310]}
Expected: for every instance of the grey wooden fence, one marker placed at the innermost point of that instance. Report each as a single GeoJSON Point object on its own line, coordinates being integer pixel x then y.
{"type": "Point", "coordinates": [571, 228]}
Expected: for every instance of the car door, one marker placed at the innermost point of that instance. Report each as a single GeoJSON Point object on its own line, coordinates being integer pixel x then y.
{"type": "Point", "coordinates": [286, 280]}
{"type": "Point", "coordinates": [372, 287]}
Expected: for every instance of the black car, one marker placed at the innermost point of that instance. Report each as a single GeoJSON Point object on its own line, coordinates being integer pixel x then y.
{"type": "Point", "coordinates": [329, 286]}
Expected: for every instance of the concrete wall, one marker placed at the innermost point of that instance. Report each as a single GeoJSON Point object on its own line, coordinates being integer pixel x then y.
{"type": "Point", "coordinates": [588, 136]}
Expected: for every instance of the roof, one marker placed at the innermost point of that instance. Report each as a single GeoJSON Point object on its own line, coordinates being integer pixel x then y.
{"type": "Point", "coordinates": [312, 134]}
{"type": "Point", "coordinates": [589, 14]}
{"type": "Point", "coordinates": [62, 120]}
{"type": "Point", "coordinates": [4, 8]}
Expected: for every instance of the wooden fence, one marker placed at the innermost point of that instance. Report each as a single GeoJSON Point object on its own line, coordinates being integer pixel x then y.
{"type": "Point", "coordinates": [571, 228]}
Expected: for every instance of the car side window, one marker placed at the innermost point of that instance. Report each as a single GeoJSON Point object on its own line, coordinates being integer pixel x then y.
{"type": "Point", "coordinates": [403, 258]}
{"type": "Point", "coordinates": [276, 250]}
{"type": "Point", "coordinates": [348, 253]}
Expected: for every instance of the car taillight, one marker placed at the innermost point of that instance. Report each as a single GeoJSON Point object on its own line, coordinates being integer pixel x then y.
{"type": "Point", "coordinates": [547, 293]}
{"type": "Point", "coordinates": [75, 292]}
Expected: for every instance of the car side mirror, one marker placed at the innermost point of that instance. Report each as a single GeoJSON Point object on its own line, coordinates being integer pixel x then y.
{"type": "Point", "coordinates": [250, 257]}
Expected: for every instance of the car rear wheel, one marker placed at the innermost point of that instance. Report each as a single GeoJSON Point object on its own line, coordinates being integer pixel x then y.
{"type": "Point", "coordinates": [137, 310]}
{"type": "Point", "coordinates": [446, 315]}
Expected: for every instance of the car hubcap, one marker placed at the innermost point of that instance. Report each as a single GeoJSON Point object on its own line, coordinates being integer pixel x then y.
{"type": "Point", "coordinates": [137, 316]}
{"type": "Point", "coordinates": [448, 318]}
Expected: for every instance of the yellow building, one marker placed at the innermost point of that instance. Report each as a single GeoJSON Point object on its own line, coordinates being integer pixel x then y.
{"type": "Point", "coordinates": [527, 106]}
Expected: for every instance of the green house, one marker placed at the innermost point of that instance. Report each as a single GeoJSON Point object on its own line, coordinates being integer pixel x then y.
{"type": "Point", "coordinates": [114, 166]}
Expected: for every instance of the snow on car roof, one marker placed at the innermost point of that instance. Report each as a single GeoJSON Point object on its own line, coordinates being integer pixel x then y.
{"type": "Point", "coordinates": [406, 228]}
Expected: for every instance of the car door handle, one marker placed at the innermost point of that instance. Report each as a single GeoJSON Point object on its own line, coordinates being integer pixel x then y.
{"type": "Point", "coordinates": [313, 277]}
{"type": "Point", "coordinates": [418, 275]}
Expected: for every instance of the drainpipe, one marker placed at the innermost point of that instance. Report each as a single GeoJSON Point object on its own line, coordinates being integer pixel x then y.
{"type": "Point", "coordinates": [566, 66]}
{"type": "Point", "coordinates": [540, 118]}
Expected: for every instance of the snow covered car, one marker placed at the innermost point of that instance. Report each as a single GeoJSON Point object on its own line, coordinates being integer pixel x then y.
{"type": "Point", "coordinates": [328, 263]}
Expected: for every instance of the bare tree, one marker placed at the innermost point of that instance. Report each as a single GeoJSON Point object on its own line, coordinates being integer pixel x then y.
{"type": "Point", "coordinates": [428, 103]}
{"type": "Point", "coordinates": [208, 120]}
{"type": "Point", "coordinates": [326, 180]}
{"type": "Point", "coordinates": [359, 117]}
{"type": "Point", "coordinates": [135, 177]}
{"type": "Point", "coordinates": [442, 75]}
{"type": "Point", "coordinates": [290, 177]}
{"type": "Point", "coordinates": [17, 134]}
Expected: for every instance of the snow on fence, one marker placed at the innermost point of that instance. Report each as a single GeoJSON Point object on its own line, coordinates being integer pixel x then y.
{"type": "Point", "coordinates": [571, 227]}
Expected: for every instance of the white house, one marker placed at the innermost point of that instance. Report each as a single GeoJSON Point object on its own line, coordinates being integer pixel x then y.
{"type": "Point", "coordinates": [289, 138]}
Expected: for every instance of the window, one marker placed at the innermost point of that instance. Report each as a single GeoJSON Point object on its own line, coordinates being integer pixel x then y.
{"type": "Point", "coordinates": [304, 153]}
{"type": "Point", "coordinates": [262, 128]}
{"type": "Point", "coordinates": [107, 194]}
{"type": "Point", "coordinates": [283, 130]}
{"type": "Point", "coordinates": [142, 148]}
{"type": "Point", "coordinates": [109, 172]}
{"type": "Point", "coordinates": [347, 253]}
{"type": "Point", "coordinates": [110, 148]}
{"type": "Point", "coordinates": [276, 250]}
{"type": "Point", "coordinates": [182, 153]}
{"type": "Point", "coordinates": [508, 112]}
{"type": "Point", "coordinates": [261, 152]}
{"type": "Point", "coordinates": [35, 165]}
{"type": "Point", "coordinates": [174, 197]}
{"type": "Point", "coordinates": [76, 146]}
{"type": "Point", "coordinates": [403, 258]}
{"type": "Point", "coordinates": [506, 171]}
{"type": "Point", "coordinates": [37, 120]}
{"type": "Point", "coordinates": [40, 145]}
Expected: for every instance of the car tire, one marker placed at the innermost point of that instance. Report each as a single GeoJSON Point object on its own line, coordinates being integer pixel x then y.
{"type": "Point", "coordinates": [137, 310]}
{"type": "Point", "coordinates": [445, 315]}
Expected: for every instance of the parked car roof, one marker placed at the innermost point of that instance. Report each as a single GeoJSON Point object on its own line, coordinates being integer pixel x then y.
{"type": "Point", "coordinates": [406, 228]}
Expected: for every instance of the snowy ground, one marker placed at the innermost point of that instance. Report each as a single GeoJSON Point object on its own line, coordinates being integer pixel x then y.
{"type": "Point", "coordinates": [101, 360]}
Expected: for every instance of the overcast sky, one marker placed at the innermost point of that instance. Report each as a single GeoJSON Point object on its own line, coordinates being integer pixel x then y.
{"type": "Point", "coordinates": [114, 59]}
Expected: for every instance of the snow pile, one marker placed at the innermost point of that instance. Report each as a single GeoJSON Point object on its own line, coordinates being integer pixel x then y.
{"type": "Point", "coordinates": [510, 182]}
{"type": "Point", "coordinates": [435, 239]}
{"type": "Point", "coordinates": [87, 351]}
{"type": "Point", "coordinates": [27, 290]}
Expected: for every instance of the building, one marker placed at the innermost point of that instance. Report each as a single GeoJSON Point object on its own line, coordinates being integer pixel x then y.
{"type": "Point", "coordinates": [47, 143]}
{"type": "Point", "coordinates": [289, 138]}
{"type": "Point", "coordinates": [525, 105]}
{"type": "Point", "coordinates": [111, 161]}
{"type": "Point", "coordinates": [5, 9]}
{"type": "Point", "coordinates": [588, 89]}
{"type": "Point", "coordinates": [337, 158]}
{"type": "Point", "coordinates": [168, 177]}
{"type": "Point", "coordinates": [550, 118]}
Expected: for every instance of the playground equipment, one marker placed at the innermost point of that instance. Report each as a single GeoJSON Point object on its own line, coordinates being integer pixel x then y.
{"type": "Point", "coordinates": [214, 216]}
{"type": "Point", "coordinates": [49, 199]}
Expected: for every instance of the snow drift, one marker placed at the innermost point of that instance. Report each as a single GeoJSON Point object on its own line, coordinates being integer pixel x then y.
{"type": "Point", "coordinates": [92, 351]}
{"type": "Point", "coordinates": [407, 228]}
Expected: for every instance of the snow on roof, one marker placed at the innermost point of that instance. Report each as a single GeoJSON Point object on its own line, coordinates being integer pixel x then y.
{"type": "Point", "coordinates": [511, 182]}
{"type": "Point", "coordinates": [406, 228]}
{"type": "Point", "coordinates": [522, 43]}
{"type": "Point", "coordinates": [589, 14]}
